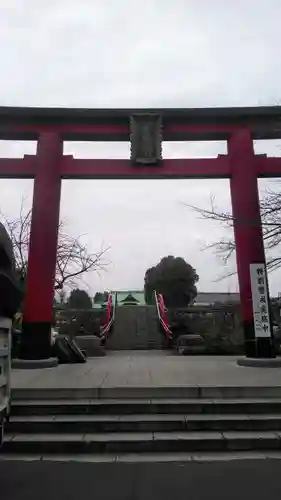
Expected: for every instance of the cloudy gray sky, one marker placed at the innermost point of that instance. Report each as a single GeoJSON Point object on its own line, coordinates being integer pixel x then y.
{"type": "Point", "coordinates": [131, 53]}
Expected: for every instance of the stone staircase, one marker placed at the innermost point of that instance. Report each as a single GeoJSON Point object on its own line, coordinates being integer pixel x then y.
{"type": "Point", "coordinates": [135, 328]}
{"type": "Point", "coordinates": [143, 421]}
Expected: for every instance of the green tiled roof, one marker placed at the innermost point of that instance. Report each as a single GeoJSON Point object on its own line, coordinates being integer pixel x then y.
{"type": "Point", "coordinates": [130, 296]}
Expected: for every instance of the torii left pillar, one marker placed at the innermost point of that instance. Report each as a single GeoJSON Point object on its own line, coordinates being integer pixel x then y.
{"type": "Point", "coordinates": [38, 306]}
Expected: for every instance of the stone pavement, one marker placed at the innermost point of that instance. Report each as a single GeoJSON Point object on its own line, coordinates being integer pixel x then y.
{"type": "Point", "coordinates": [147, 369]}
{"type": "Point", "coordinates": [103, 481]}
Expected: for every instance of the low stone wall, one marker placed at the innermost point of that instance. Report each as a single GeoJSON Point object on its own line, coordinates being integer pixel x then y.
{"type": "Point", "coordinates": [137, 326]}
{"type": "Point", "coordinates": [68, 321]}
{"type": "Point", "coordinates": [221, 328]}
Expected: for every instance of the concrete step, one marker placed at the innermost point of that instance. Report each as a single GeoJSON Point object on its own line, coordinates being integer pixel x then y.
{"type": "Point", "coordinates": [150, 392]}
{"type": "Point", "coordinates": [141, 423]}
{"type": "Point", "coordinates": [146, 442]}
{"type": "Point", "coordinates": [176, 457]}
{"type": "Point", "coordinates": [145, 346]}
{"type": "Point", "coordinates": [135, 328]}
{"type": "Point", "coordinates": [183, 406]}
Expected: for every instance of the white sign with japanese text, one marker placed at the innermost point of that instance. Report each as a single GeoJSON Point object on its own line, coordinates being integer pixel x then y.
{"type": "Point", "coordinates": [260, 300]}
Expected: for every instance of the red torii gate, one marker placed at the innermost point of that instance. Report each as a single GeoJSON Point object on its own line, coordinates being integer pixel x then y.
{"type": "Point", "coordinates": [50, 127]}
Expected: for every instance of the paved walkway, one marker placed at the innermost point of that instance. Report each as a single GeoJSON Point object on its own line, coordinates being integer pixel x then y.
{"type": "Point", "coordinates": [147, 369]}
{"type": "Point", "coordinates": [195, 481]}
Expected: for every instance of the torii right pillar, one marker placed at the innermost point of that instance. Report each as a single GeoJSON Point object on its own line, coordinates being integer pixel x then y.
{"type": "Point", "coordinates": [250, 254]}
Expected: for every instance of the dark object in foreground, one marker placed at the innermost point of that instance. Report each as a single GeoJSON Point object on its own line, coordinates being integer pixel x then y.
{"type": "Point", "coordinates": [16, 341]}
{"type": "Point", "coordinates": [67, 351]}
{"type": "Point", "coordinates": [11, 293]}
{"type": "Point", "coordinates": [10, 300]}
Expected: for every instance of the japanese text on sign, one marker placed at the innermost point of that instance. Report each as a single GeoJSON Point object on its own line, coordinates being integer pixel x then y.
{"type": "Point", "coordinates": [260, 300]}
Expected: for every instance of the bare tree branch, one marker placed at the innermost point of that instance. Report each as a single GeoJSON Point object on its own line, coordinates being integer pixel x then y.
{"type": "Point", "coordinates": [270, 207]}
{"type": "Point", "coordinates": [74, 260]}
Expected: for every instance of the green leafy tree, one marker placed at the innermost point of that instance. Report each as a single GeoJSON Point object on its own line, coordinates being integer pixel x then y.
{"type": "Point", "coordinates": [100, 297]}
{"type": "Point", "coordinates": [174, 278]}
{"type": "Point", "coordinates": [79, 299]}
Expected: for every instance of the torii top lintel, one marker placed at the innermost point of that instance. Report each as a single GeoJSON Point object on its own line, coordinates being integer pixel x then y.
{"type": "Point", "coordinates": [20, 123]}
{"type": "Point", "coordinates": [115, 125]}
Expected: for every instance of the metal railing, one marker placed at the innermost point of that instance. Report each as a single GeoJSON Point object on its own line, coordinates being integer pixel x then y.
{"type": "Point", "coordinates": [160, 306]}
{"type": "Point", "coordinates": [111, 308]}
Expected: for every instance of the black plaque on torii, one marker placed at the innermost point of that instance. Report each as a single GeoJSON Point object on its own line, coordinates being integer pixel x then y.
{"type": "Point", "coordinates": [146, 138]}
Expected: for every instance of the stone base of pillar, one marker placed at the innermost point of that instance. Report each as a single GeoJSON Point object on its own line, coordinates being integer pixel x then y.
{"type": "Point", "coordinates": [250, 340]}
{"type": "Point", "coordinates": [36, 341]}
{"type": "Point", "coordinates": [260, 362]}
{"type": "Point", "coordinates": [261, 347]}
{"type": "Point", "coordinates": [250, 348]}
{"type": "Point", "coordinates": [31, 364]}
{"type": "Point", "coordinates": [265, 348]}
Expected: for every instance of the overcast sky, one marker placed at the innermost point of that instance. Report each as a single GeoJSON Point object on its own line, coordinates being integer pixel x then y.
{"type": "Point", "coordinates": [131, 53]}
